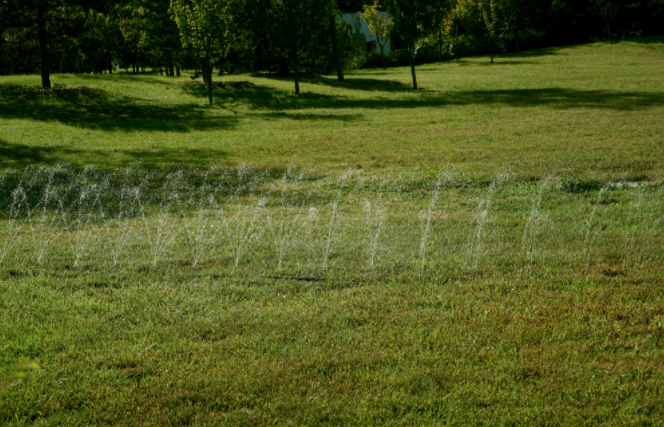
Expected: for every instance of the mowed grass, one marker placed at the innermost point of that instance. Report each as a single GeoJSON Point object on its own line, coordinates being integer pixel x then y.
{"type": "Point", "coordinates": [591, 109]}
{"type": "Point", "coordinates": [535, 297]}
{"type": "Point", "coordinates": [201, 352]}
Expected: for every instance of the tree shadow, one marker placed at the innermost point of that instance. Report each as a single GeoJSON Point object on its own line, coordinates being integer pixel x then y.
{"type": "Point", "coordinates": [653, 41]}
{"type": "Point", "coordinates": [276, 100]}
{"type": "Point", "coordinates": [100, 112]}
{"type": "Point", "coordinates": [354, 83]}
{"type": "Point", "coordinates": [555, 98]}
{"type": "Point", "coordinates": [379, 71]}
{"type": "Point", "coordinates": [308, 117]}
{"type": "Point", "coordinates": [195, 183]}
{"type": "Point", "coordinates": [259, 97]}
{"type": "Point", "coordinates": [498, 62]}
{"type": "Point", "coordinates": [122, 76]}
{"type": "Point", "coordinates": [19, 155]}
{"type": "Point", "coordinates": [536, 53]}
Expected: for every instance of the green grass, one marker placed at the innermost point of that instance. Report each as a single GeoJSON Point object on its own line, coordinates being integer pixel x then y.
{"type": "Point", "coordinates": [592, 109]}
{"type": "Point", "coordinates": [536, 296]}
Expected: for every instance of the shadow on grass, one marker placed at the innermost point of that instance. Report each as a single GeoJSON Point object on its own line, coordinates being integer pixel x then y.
{"type": "Point", "coordinates": [19, 155]}
{"type": "Point", "coordinates": [95, 110]}
{"type": "Point", "coordinates": [122, 76]}
{"type": "Point", "coordinates": [352, 83]}
{"type": "Point", "coordinates": [655, 41]}
{"type": "Point", "coordinates": [497, 62]}
{"type": "Point", "coordinates": [536, 53]}
{"type": "Point", "coordinates": [156, 173]}
{"type": "Point", "coordinates": [92, 108]}
{"type": "Point", "coordinates": [276, 100]}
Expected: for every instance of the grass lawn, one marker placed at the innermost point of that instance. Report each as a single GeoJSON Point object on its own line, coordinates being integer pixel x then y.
{"type": "Point", "coordinates": [486, 250]}
{"type": "Point", "coordinates": [593, 109]}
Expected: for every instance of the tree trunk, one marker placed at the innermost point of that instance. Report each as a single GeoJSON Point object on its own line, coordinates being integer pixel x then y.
{"type": "Point", "coordinates": [296, 72]}
{"type": "Point", "coordinates": [296, 66]}
{"type": "Point", "coordinates": [608, 30]}
{"type": "Point", "coordinates": [43, 47]}
{"type": "Point", "coordinates": [161, 70]}
{"type": "Point", "coordinates": [516, 38]}
{"type": "Point", "coordinates": [171, 69]}
{"type": "Point", "coordinates": [440, 46]}
{"type": "Point", "coordinates": [133, 67]}
{"type": "Point", "coordinates": [491, 48]}
{"type": "Point", "coordinates": [335, 49]}
{"type": "Point", "coordinates": [207, 77]}
{"type": "Point", "coordinates": [456, 33]}
{"type": "Point", "coordinates": [209, 88]}
{"type": "Point", "coordinates": [412, 68]}
{"type": "Point", "coordinates": [206, 70]}
{"type": "Point", "coordinates": [177, 72]}
{"type": "Point", "coordinates": [382, 55]}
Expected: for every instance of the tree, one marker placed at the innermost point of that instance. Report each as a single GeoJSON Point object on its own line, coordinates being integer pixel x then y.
{"type": "Point", "coordinates": [453, 19]}
{"type": "Point", "coordinates": [132, 24]}
{"type": "Point", "coordinates": [380, 25]}
{"type": "Point", "coordinates": [608, 10]}
{"type": "Point", "coordinates": [202, 28]}
{"type": "Point", "coordinates": [441, 12]}
{"type": "Point", "coordinates": [294, 25]}
{"type": "Point", "coordinates": [45, 22]}
{"type": "Point", "coordinates": [489, 10]}
{"type": "Point", "coordinates": [10, 42]}
{"type": "Point", "coordinates": [336, 52]}
{"type": "Point", "coordinates": [518, 15]}
{"type": "Point", "coordinates": [412, 21]}
{"type": "Point", "coordinates": [162, 35]}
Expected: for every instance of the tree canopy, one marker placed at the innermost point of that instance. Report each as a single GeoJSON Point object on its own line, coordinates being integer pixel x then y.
{"type": "Point", "coordinates": [293, 36]}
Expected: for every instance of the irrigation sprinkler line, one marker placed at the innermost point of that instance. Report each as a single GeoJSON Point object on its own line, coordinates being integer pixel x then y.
{"type": "Point", "coordinates": [222, 276]}
{"type": "Point", "coordinates": [230, 276]}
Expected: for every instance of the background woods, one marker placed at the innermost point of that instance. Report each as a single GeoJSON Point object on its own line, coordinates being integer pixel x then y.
{"type": "Point", "coordinates": [293, 37]}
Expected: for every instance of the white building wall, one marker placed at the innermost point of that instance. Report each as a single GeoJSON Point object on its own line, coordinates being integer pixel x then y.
{"type": "Point", "coordinates": [360, 26]}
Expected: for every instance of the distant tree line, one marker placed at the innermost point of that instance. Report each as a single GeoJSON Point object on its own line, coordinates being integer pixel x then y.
{"type": "Point", "coordinates": [292, 36]}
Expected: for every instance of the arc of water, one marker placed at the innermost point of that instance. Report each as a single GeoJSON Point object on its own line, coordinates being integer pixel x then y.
{"type": "Point", "coordinates": [532, 226]}
{"type": "Point", "coordinates": [160, 233]}
{"type": "Point", "coordinates": [242, 229]}
{"type": "Point", "coordinates": [13, 228]}
{"type": "Point", "coordinates": [483, 209]}
{"type": "Point", "coordinates": [42, 221]}
{"type": "Point", "coordinates": [426, 227]}
{"type": "Point", "coordinates": [333, 233]}
{"type": "Point", "coordinates": [588, 241]}
{"type": "Point", "coordinates": [79, 217]}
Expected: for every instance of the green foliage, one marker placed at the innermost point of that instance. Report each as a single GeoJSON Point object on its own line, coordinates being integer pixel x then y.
{"type": "Point", "coordinates": [351, 45]}
{"type": "Point", "coordinates": [429, 53]}
{"type": "Point", "coordinates": [380, 26]}
{"type": "Point", "coordinates": [85, 36]}
{"type": "Point", "coordinates": [489, 11]}
{"type": "Point", "coordinates": [293, 28]}
{"type": "Point", "coordinates": [413, 21]}
{"type": "Point", "coordinates": [202, 25]}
